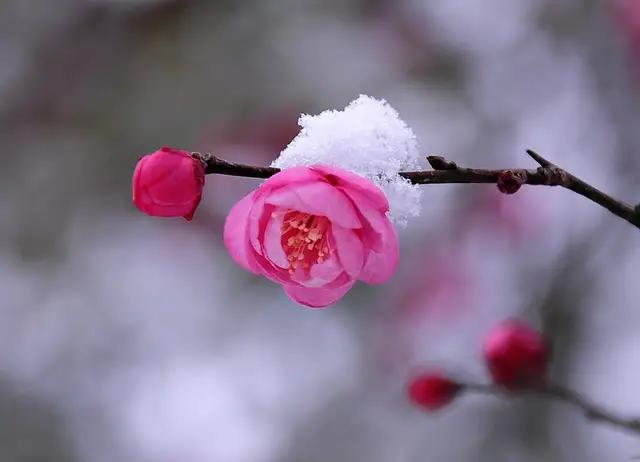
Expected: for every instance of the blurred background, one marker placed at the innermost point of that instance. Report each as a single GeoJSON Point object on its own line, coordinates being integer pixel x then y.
{"type": "Point", "coordinates": [127, 338]}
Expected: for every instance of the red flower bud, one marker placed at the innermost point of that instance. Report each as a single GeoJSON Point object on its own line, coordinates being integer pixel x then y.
{"type": "Point", "coordinates": [168, 183]}
{"type": "Point", "coordinates": [516, 354]}
{"type": "Point", "coordinates": [432, 390]}
{"type": "Point", "coordinates": [509, 182]}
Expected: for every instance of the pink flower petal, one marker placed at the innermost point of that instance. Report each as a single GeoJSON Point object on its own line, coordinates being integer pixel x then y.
{"type": "Point", "coordinates": [326, 271]}
{"type": "Point", "coordinates": [380, 266]}
{"type": "Point", "coordinates": [347, 180]}
{"type": "Point", "coordinates": [289, 176]}
{"type": "Point", "coordinates": [328, 280]}
{"type": "Point", "coordinates": [257, 221]}
{"type": "Point", "coordinates": [258, 218]}
{"type": "Point", "coordinates": [340, 281]}
{"type": "Point", "coordinates": [269, 270]}
{"type": "Point", "coordinates": [235, 234]}
{"type": "Point", "coordinates": [319, 199]}
{"type": "Point", "coordinates": [372, 219]}
{"type": "Point", "coordinates": [177, 186]}
{"type": "Point", "coordinates": [299, 276]}
{"type": "Point", "coordinates": [350, 249]}
{"type": "Point", "coordinates": [272, 242]}
{"type": "Point", "coordinates": [316, 297]}
{"type": "Point", "coordinates": [321, 274]}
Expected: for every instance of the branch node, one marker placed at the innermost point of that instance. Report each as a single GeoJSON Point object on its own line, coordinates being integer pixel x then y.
{"type": "Point", "coordinates": [203, 157]}
{"type": "Point", "coordinates": [509, 181]}
{"type": "Point", "coordinates": [554, 176]}
{"type": "Point", "coordinates": [440, 163]}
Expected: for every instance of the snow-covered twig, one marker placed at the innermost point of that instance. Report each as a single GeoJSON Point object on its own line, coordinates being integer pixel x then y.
{"type": "Point", "coordinates": [448, 172]}
{"type": "Point", "coordinates": [558, 393]}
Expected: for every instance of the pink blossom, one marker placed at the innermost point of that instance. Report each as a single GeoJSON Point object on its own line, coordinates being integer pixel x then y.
{"type": "Point", "coordinates": [315, 230]}
{"type": "Point", "coordinates": [168, 183]}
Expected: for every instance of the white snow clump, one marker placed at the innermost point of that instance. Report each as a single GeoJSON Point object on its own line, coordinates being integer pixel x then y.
{"type": "Point", "coordinates": [369, 138]}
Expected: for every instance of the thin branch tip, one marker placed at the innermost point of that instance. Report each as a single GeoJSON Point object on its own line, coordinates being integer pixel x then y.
{"type": "Point", "coordinates": [544, 163]}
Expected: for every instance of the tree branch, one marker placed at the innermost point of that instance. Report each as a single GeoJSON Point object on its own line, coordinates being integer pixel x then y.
{"type": "Point", "coordinates": [448, 172]}
{"type": "Point", "coordinates": [558, 393]}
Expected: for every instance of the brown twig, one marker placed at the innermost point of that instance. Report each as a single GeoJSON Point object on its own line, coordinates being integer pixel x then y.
{"type": "Point", "coordinates": [558, 393]}
{"type": "Point", "coordinates": [214, 164]}
{"type": "Point", "coordinates": [448, 172]}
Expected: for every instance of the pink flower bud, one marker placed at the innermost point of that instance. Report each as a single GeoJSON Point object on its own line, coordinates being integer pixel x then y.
{"type": "Point", "coordinates": [168, 183]}
{"type": "Point", "coordinates": [432, 390]}
{"type": "Point", "coordinates": [516, 354]}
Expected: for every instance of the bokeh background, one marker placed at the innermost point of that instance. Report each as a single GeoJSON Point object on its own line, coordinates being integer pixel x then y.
{"type": "Point", "coordinates": [126, 338]}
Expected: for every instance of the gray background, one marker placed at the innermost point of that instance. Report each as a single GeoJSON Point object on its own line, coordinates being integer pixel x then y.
{"type": "Point", "coordinates": [125, 338]}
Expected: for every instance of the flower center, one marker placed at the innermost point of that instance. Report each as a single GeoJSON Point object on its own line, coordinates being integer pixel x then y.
{"type": "Point", "coordinates": [304, 239]}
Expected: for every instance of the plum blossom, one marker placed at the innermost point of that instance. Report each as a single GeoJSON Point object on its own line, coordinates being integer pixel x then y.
{"type": "Point", "coordinates": [316, 231]}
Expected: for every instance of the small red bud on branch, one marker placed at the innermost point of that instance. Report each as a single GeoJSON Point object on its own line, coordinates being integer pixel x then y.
{"type": "Point", "coordinates": [433, 390]}
{"type": "Point", "coordinates": [516, 354]}
{"type": "Point", "coordinates": [509, 181]}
